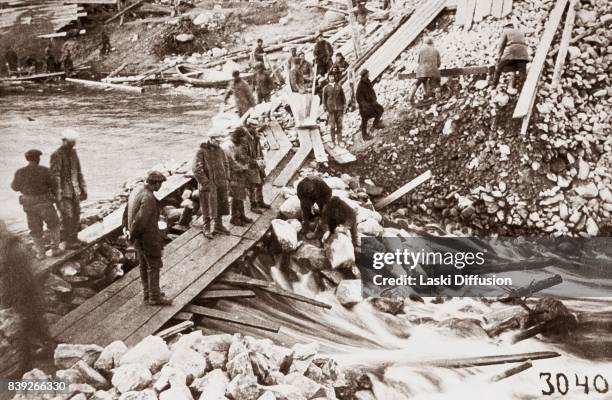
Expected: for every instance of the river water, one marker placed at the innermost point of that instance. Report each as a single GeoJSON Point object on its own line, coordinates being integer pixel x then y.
{"type": "Point", "coordinates": [122, 135]}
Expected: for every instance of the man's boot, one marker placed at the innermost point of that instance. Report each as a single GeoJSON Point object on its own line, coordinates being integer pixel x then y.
{"type": "Point", "coordinates": [39, 248]}
{"type": "Point", "coordinates": [242, 214]}
{"type": "Point", "coordinates": [207, 229]}
{"type": "Point", "coordinates": [260, 199]}
{"type": "Point", "coordinates": [144, 279]}
{"type": "Point", "coordinates": [219, 228]}
{"type": "Point", "coordinates": [235, 219]}
{"type": "Point", "coordinates": [156, 297]}
{"type": "Point", "coordinates": [55, 241]}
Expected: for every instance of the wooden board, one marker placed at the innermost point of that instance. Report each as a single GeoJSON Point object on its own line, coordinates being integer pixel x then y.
{"type": "Point", "coordinates": [292, 295]}
{"type": "Point", "coordinates": [565, 41]}
{"type": "Point", "coordinates": [274, 158]}
{"type": "Point", "coordinates": [469, 14]}
{"type": "Point", "coordinates": [497, 8]}
{"type": "Point", "coordinates": [448, 72]}
{"type": "Point", "coordinates": [461, 12]}
{"type": "Point", "coordinates": [297, 160]}
{"type": "Point", "coordinates": [533, 75]}
{"type": "Point", "coordinates": [231, 278]}
{"type": "Point", "coordinates": [271, 139]}
{"type": "Point", "coordinates": [483, 9]}
{"type": "Point", "coordinates": [317, 146]}
{"type": "Point", "coordinates": [507, 8]}
{"type": "Point", "coordinates": [403, 190]}
{"type": "Point", "coordinates": [224, 294]}
{"type": "Point", "coordinates": [340, 154]}
{"type": "Point", "coordinates": [239, 318]}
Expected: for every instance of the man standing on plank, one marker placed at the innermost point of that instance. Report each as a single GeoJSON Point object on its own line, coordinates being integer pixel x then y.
{"type": "Point", "coordinates": [428, 70]}
{"type": "Point", "coordinates": [141, 217]}
{"type": "Point", "coordinates": [334, 102]}
{"type": "Point", "coordinates": [512, 55]}
{"type": "Point", "coordinates": [368, 105]}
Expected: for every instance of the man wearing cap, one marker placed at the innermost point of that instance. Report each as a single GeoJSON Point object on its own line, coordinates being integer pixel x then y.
{"type": "Point", "coordinates": [243, 96]}
{"type": "Point", "coordinates": [296, 79]}
{"type": "Point", "coordinates": [334, 102]}
{"type": "Point", "coordinates": [70, 187]}
{"type": "Point", "coordinates": [237, 152]}
{"type": "Point", "coordinates": [141, 218]}
{"type": "Point", "coordinates": [263, 83]}
{"type": "Point", "coordinates": [323, 53]}
{"type": "Point", "coordinates": [339, 66]}
{"type": "Point", "coordinates": [258, 53]}
{"type": "Point", "coordinates": [305, 69]}
{"type": "Point", "coordinates": [428, 72]}
{"type": "Point", "coordinates": [257, 167]}
{"type": "Point", "coordinates": [368, 105]}
{"type": "Point", "coordinates": [512, 54]}
{"type": "Point", "coordinates": [211, 170]}
{"type": "Point", "coordinates": [37, 195]}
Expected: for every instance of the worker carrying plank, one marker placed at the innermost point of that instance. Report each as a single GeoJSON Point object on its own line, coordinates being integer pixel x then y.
{"type": "Point", "coordinates": [512, 55]}
{"type": "Point", "coordinates": [428, 69]}
{"type": "Point", "coordinates": [141, 217]}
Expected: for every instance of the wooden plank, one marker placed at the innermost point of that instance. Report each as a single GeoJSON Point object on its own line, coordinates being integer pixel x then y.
{"type": "Point", "coordinates": [533, 75]}
{"type": "Point", "coordinates": [403, 190]}
{"type": "Point", "coordinates": [231, 278]}
{"type": "Point", "coordinates": [497, 8]}
{"type": "Point", "coordinates": [461, 11]}
{"type": "Point", "coordinates": [317, 146]}
{"type": "Point", "coordinates": [297, 160]}
{"type": "Point", "coordinates": [527, 118]}
{"type": "Point", "coordinates": [459, 71]}
{"type": "Point", "coordinates": [292, 295]}
{"type": "Point", "coordinates": [120, 13]}
{"type": "Point", "coordinates": [507, 8]}
{"type": "Point", "coordinates": [483, 9]}
{"type": "Point", "coordinates": [565, 41]}
{"type": "Point", "coordinates": [241, 319]}
{"type": "Point", "coordinates": [222, 294]}
{"type": "Point", "coordinates": [183, 316]}
{"type": "Point", "coordinates": [469, 14]}
{"type": "Point", "coordinates": [173, 330]}
{"type": "Point", "coordinates": [271, 139]}
{"type": "Point", "coordinates": [104, 85]}
{"type": "Point", "coordinates": [273, 159]}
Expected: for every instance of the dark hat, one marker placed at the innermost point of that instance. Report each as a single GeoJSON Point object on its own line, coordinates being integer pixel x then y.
{"type": "Point", "coordinates": [364, 71]}
{"type": "Point", "coordinates": [156, 176]}
{"type": "Point", "coordinates": [235, 73]}
{"type": "Point", "coordinates": [32, 154]}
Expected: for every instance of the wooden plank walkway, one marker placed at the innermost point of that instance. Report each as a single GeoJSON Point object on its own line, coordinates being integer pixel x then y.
{"type": "Point", "coordinates": [191, 263]}
{"type": "Point", "coordinates": [317, 146]}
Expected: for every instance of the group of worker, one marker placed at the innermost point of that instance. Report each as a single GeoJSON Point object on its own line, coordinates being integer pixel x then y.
{"type": "Point", "coordinates": [43, 189]}
{"type": "Point", "coordinates": [31, 64]}
{"type": "Point", "coordinates": [512, 56]}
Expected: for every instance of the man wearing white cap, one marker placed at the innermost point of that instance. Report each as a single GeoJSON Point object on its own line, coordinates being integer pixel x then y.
{"type": "Point", "coordinates": [69, 186]}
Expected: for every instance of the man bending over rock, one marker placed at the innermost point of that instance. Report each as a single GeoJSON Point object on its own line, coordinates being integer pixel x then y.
{"type": "Point", "coordinates": [312, 190]}
{"type": "Point", "coordinates": [337, 213]}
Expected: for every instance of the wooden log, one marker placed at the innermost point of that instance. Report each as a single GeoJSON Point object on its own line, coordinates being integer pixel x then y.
{"type": "Point", "coordinates": [104, 85]}
{"type": "Point", "coordinates": [120, 13]}
{"type": "Point", "coordinates": [424, 177]}
{"type": "Point", "coordinates": [292, 295]}
{"type": "Point", "coordinates": [448, 72]}
{"type": "Point", "coordinates": [317, 146]}
{"type": "Point", "coordinates": [533, 75]}
{"type": "Point", "coordinates": [59, 34]}
{"type": "Point", "coordinates": [512, 371]}
{"type": "Point", "coordinates": [183, 316]}
{"type": "Point", "coordinates": [117, 70]}
{"type": "Point", "coordinates": [531, 289]}
{"type": "Point", "coordinates": [223, 294]}
{"type": "Point", "coordinates": [238, 319]}
{"type": "Point", "coordinates": [173, 330]}
{"type": "Point", "coordinates": [565, 42]}
{"type": "Point", "coordinates": [493, 360]}
{"type": "Point", "coordinates": [232, 278]}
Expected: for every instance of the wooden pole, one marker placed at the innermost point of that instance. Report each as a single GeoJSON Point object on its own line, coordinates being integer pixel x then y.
{"type": "Point", "coordinates": [425, 176]}
{"type": "Point", "coordinates": [120, 13]}
{"type": "Point", "coordinates": [104, 85]}
{"type": "Point", "coordinates": [565, 41]}
{"type": "Point", "coordinates": [512, 371]}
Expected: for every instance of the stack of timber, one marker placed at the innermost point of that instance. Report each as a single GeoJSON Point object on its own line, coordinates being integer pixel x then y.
{"type": "Point", "coordinates": [38, 13]}
{"type": "Point", "coordinates": [191, 263]}
{"type": "Point", "coordinates": [470, 11]}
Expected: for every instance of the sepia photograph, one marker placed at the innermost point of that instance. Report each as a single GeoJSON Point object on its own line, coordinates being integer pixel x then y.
{"type": "Point", "coordinates": [305, 199]}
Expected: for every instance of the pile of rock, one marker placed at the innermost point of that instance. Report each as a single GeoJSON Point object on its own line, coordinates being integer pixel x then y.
{"type": "Point", "coordinates": [194, 366]}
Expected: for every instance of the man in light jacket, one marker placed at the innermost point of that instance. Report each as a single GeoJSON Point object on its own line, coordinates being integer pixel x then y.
{"type": "Point", "coordinates": [428, 69]}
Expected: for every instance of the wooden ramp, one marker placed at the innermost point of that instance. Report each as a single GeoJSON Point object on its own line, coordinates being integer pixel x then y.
{"type": "Point", "coordinates": [191, 263]}
{"type": "Point", "coordinates": [470, 11]}
{"type": "Point", "coordinates": [341, 155]}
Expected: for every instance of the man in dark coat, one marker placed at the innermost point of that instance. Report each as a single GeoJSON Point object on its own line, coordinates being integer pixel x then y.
{"type": "Point", "coordinates": [312, 190]}
{"type": "Point", "coordinates": [105, 46]}
{"type": "Point", "coordinates": [428, 69]}
{"type": "Point", "coordinates": [140, 218]}
{"type": "Point", "coordinates": [296, 79]}
{"type": "Point", "coordinates": [37, 195]}
{"type": "Point", "coordinates": [211, 170]}
{"type": "Point", "coordinates": [70, 188]}
{"type": "Point", "coordinates": [243, 95]}
{"type": "Point", "coordinates": [67, 63]}
{"type": "Point", "coordinates": [368, 106]}
{"type": "Point", "coordinates": [305, 69]}
{"type": "Point", "coordinates": [264, 84]}
{"type": "Point", "coordinates": [339, 66]}
{"type": "Point", "coordinates": [323, 52]}
{"type": "Point", "coordinates": [257, 166]}
{"type": "Point", "coordinates": [258, 53]}
{"type": "Point", "coordinates": [237, 152]}
{"type": "Point", "coordinates": [336, 213]}
{"type": "Point", "coordinates": [50, 59]}
{"type": "Point", "coordinates": [512, 55]}
{"type": "Point", "coordinates": [334, 102]}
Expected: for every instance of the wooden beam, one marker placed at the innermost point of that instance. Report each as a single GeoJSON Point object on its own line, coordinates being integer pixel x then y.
{"type": "Point", "coordinates": [232, 278]}
{"type": "Point", "coordinates": [317, 146]}
{"type": "Point", "coordinates": [292, 295]}
{"type": "Point", "coordinates": [297, 160]}
{"type": "Point", "coordinates": [183, 316]}
{"type": "Point", "coordinates": [483, 9]}
{"type": "Point", "coordinates": [120, 13]}
{"type": "Point", "coordinates": [104, 85]}
{"type": "Point", "coordinates": [447, 72]}
{"type": "Point", "coordinates": [565, 42]}
{"type": "Point", "coordinates": [117, 70]}
{"type": "Point", "coordinates": [492, 360]}
{"type": "Point", "coordinates": [497, 8]}
{"type": "Point", "coordinates": [461, 11]}
{"type": "Point", "coordinates": [512, 371]}
{"type": "Point", "coordinates": [469, 14]}
{"type": "Point", "coordinates": [424, 177]}
{"type": "Point", "coordinates": [241, 319]}
{"type": "Point", "coordinates": [507, 8]}
{"type": "Point", "coordinates": [173, 330]}
{"type": "Point", "coordinates": [533, 75]}
{"type": "Point", "coordinates": [222, 294]}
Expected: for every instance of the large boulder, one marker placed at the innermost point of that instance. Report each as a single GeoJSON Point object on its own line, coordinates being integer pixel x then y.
{"type": "Point", "coordinates": [69, 376]}
{"type": "Point", "coordinates": [335, 183]}
{"type": "Point", "coordinates": [244, 387]}
{"type": "Point", "coordinates": [240, 365]}
{"type": "Point", "coordinates": [131, 377]}
{"type": "Point", "coordinates": [203, 344]}
{"type": "Point", "coordinates": [90, 375]}
{"type": "Point", "coordinates": [176, 392]}
{"type": "Point", "coordinates": [146, 394]}
{"type": "Point", "coordinates": [307, 386]}
{"type": "Point", "coordinates": [212, 386]}
{"type": "Point", "coordinates": [291, 208]}
{"type": "Point", "coordinates": [311, 257]}
{"type": "Point", "coordinates": [110, 356]}
{"type": "Point", "coordinates": [339, 249]}
{"type": "Point", "coordinates": [217, 359]}
{"type": "Point", "coordinates": [169, 375]}
{"type": "Point", "coordinates": [66, 355]}
{"type": "Point", "coordinates": [389, 305]}
{"type": "Point", "coordinates": [261, 366]}
{"type": "Point", "coordinates": [348, 292]}
{"type": "Point", "coordinates": [370, 227]}
{"type": "Point", "coordinates": [192, 363]}
{"type": "Point", "coordinates": [286, 392]}
{"type": "Point", "coordinates": [285, 235]}
{"type": "Point", "coordinates": [152, 351]}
